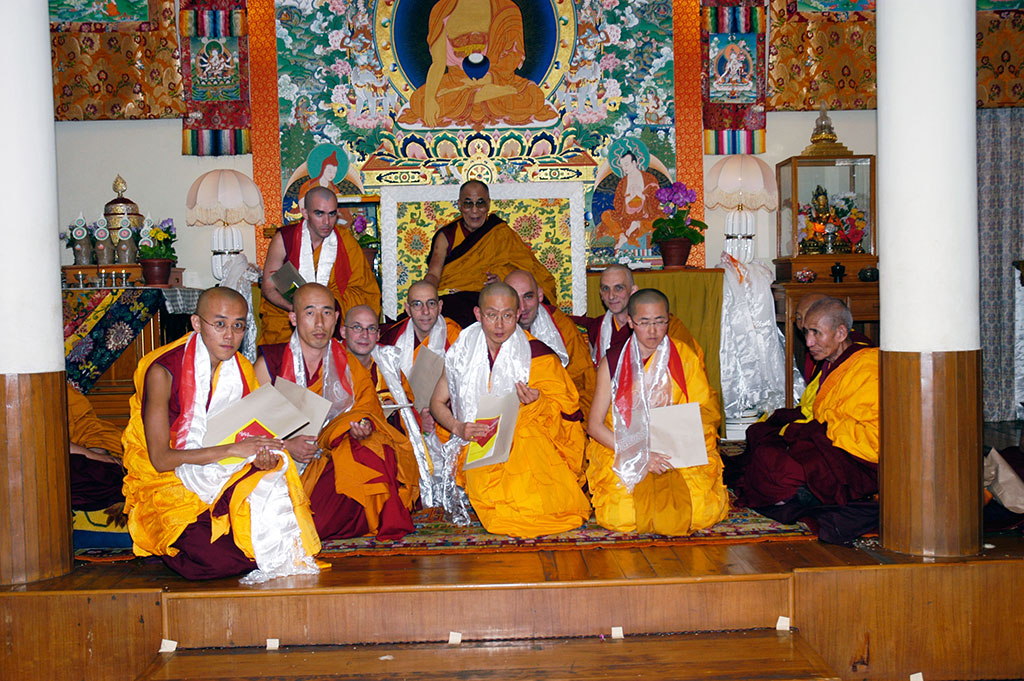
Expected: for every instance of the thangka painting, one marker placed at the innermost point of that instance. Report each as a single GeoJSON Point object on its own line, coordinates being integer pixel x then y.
{"type": "Point", "coordinates": [115, 60]}
{"type": "Point", "coordinates": [816, 57]}
{"type": "Point", "coordinates": [833, 5]}
{"type": "Point", "coordinates": [424, 92]}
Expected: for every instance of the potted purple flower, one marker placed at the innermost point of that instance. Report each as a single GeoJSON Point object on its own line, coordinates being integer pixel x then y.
{"type": "Point", "coordinates": [677, 232]}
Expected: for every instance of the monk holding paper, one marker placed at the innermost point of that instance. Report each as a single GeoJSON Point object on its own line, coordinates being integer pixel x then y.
{"type": "Point", "coordinates": [536, 490]}
{"type": "Point", "coordinates": [633, 486]}
{"type": "Point", "coordinates": [204, 517]}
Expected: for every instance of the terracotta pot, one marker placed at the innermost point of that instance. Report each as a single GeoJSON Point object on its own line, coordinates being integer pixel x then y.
{"type": "Point", "coordinates": [156, 271]}
{"type": "Point", "coordinates": [674, 252]}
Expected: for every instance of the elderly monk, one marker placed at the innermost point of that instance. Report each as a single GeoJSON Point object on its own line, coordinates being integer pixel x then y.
{"type": "Point", "coordinates": [360, 486]}
{"type": "Point", "coordinates": [537, 491]}
{"type": "Point", "coordinates": [322, 252]}
{"type": "Point", "coordinates": [556, 330]}
{"type": "Point", "coordinates": [204, 512]}
{"type": "Point", "coordinates": [651, 370]}
{"type": "Point", "coordinates": [826, 452]}
{"type": "Point", "coordinates": [612, 328]}
{"type": "Point", "coordinates": [811, 366]}
{"type": "Point", "coordinates": [97, 475]}
{"type": "Point", "coordinates": [477, 249]}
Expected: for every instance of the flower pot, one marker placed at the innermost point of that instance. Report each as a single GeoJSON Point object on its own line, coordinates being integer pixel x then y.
{"type": "Point", "coordinates": [674, 252]}
{"type": "Point", "coordinates": [156, 271]}
{"type": "Point", "coordinates": [371, 254]}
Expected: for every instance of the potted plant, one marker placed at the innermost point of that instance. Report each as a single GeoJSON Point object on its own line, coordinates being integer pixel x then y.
{"type": "Point", "coordinates": [677, 232]}
{"type": "Point", "coordinates": [368, 240]}
{"type": "Point", "coordinates": [156, 252]}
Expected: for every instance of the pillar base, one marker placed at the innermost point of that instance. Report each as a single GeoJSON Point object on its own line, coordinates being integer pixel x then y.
{"type": "Point", "coordinates": [35, 528]}
{"type": "Point", "coordinates": [931, 459]}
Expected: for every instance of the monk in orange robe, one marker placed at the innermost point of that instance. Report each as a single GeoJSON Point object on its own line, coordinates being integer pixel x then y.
{"type": "Point", "coordinates": [537, 490]}
{"type": "Point", "coordinates": [475, 250]}
{"type": "Point", "coordinates": [821, 460]}
{"type": "Point", "coordinates": [96, 452]}
{"type": "Point", "coordinates": [475, 49]}
{"type": "Point", "coordinates": [555, 329]}
{"type": "Point", "coordinates": [355, 470]}
{"type": "Point", "coordinates": [663, 499]}
{"type": "Point", "coordinates": [322, 252]}
{"type": "Point", "coordinates": [210, 511]}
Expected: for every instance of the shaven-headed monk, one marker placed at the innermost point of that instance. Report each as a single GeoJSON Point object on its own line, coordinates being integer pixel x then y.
{"type": "Point", "coordinates": [555, 329]}
{"type": "Point", "coordinates": [477, 249]}
{"type": "Point", "coordinates": [204, 517]}
{"type": "Point", "coordinates": [651, 370]}
{"type": "Point", "coordinates": [612, 328]}
{"type": "Point", "coordinates": [537, 491]}
{"type": "Point", "coordinates": [811, 366]}
{"type": "Point", "coordinates": [354, 489]}
{"type": "Point", "coordinates": [795, 465]}
{"type": "Point", "coordinates": [323, 252]}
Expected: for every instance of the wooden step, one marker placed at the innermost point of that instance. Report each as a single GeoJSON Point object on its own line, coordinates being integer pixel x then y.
{"type": "Point", "coordinates": [739, 656]}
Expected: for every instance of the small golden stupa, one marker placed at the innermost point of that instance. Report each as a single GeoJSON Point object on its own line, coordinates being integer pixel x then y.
{"type": "Point", "coordinates": [121, 211]}
{"type": "Point", "coordinates": [824, 141]}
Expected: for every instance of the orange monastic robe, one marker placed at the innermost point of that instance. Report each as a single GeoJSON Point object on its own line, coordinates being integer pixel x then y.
{"type": "Point", "coordinates": [581, 368]}
{"type": "Point", "coordinates": [158, 505]}
{"type": "Point", "coordinates": [848, 402]}
{"type": "Point", "coordinates": [87, 429]}
{"type": "Point", "coordinates": [679, 501]}
{"type": "Point", "coordinates": [359, 288]}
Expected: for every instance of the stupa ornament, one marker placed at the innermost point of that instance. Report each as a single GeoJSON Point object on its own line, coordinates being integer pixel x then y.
{"type": "Point", "coordinates": [824, 141]}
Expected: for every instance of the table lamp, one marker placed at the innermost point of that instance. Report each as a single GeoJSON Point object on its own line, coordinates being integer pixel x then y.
{"type": "Point", "coordinates": [741, 184]}
{"type": "Point", "coordinates": [227, 199]}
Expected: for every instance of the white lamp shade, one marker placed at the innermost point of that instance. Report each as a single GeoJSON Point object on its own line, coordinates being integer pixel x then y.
{"type": "Point", "coordinates": [224, 197]}
{"type": "Point", "coordinates": [741, 181]}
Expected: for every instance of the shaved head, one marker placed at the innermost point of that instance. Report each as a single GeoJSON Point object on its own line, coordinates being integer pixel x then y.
{"type": "Point", "coordinates": [218, 294]}
{"type": "Point", "coordinates": [318, 192]}
{"type": "Point", "coordinates": [521, 276]}
{"type": "Point", "coordinates": [474, 183]}
{"type": "Point", "coordinates": [647, 296]}
{"type": "Point", "coordinates": [307, 291]}
{"type": "Point", "coordinates": [359, 312]}
{"type": "Point", "coordinates": [497, 290]}
{"type": "Point", "coordinates": [530, 297]}
{"type": "Point", "coordinates": [424, 287]}
{"type": "Point", "coordinates": [831, 312]}
{"type": "Point", "coordinates": [621, 270]}
{"type": "Point", "coordinates": [804, 305]}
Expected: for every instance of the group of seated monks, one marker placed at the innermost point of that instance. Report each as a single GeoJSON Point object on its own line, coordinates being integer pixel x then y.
{"type": "Point", "coordinates": [585, 388]}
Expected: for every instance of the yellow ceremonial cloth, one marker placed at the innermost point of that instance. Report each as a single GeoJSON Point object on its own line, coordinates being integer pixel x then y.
{"type": "Point", "coordinates": [361, 289]}
{"type": "Point", "coordinates": [351, 478]}
{"type": "Point", "coordinates": [581, 366]}
{"type": "Point", "coordinates": [848, 402]}
{"type": "Point", "coordinates": [159, 507]}
{"type": "Point", "coordinates": [501, 251]}
{"type": "Point", "coordinates": [88, 430]}
{"type": "Point", "coordinates": [537, 491]}
{"type": "Point", "coordinates": [674, 503]}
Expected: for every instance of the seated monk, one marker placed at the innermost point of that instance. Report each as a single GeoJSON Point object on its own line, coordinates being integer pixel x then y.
{"type": "Point", "coordinates": [97, 475]}
{"type": "Point", "coordinates": [821, 459]}
{"type": "Point", "coordinates": [651, 370]}
{"type": "Point", "coordinates": [360, 486]}
{"type": "Point", "coordinates": [612, 328]}
{"type": "Point", "coordinates": [322, 252]}
{"type": "Point", "coordinates": [477, 249]}
{"type": "Point", "coordinates": [537, 491]}
{"type": "Point", "coordinates": [204, 517]}
{"type": "Point", "coordinates": [555, 329]}
{"type": "Point", "coordinates": [810, 366]}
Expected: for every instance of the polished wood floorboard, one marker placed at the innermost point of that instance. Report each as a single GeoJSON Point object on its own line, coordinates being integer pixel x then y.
{"type": "Point", "coordinates": [747, 656]}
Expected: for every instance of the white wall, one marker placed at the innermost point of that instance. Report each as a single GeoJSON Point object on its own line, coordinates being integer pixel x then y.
{"type": "Point", "coordinates": [147, 154]}
{"type": "Point", "coordinates": [787, 134]}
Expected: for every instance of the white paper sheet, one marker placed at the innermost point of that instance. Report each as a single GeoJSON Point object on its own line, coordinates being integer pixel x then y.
{"type": "Point", "coordinates": [678, 432]}
{"type": "Point", "coordinates": [423, 377]}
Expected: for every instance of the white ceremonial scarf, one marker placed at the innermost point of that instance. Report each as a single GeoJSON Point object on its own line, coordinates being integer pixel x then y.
{"type": "Point", "coordinates": [407, 342]}
{"type": "Point", "coordinates": [604, 338]}
{"type": "Point", "coordinates": [337, 387]}
{"type": "Point", "coordinates": [387, 358]}
{"type": "Point", "coordinates": [321, 271]}
{"type": "Point", "coordinates": [634, 393]}
{"type": "Point", "coordinates": [546, 331]}
{"type": "Point", "coordinates": [470, 375]}
{"type": "Point", "coordinates": [276, 538]}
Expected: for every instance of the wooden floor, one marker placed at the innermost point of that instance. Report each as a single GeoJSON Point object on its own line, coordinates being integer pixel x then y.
{"type": "Point", "coordinates": [869, 613]}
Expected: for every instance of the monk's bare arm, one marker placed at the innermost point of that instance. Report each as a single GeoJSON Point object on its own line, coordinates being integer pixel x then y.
{"type": "Point", "coordinates": [275, 260]}
{"type": "Point", "coordinates": [262, 373]}
{"type": "Point", "coordinates": [443, 415]}
{"type": "Point", "coordinates": [596, 427]}
{"type": "Point", "coordinates": [156, 424]}
{"type": "Point", "coordinates": [436, 265]}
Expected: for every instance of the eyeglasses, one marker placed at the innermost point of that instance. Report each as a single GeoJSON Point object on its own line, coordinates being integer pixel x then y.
{"type": "Point", "coordinates": [504, 316]}
{"type": "Point", "coordinates": [222, 325]}
{"type": "Point", "coordinates": [418, 304]}
{"type": "Point", "coordinates": [356, 328]}
{"type": "Point", "coordinates": [658, 323]}
{"type": "Point", "coordinates": [468, 204]}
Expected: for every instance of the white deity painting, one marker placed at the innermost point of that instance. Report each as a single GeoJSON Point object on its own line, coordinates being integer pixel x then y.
{"type": "Point", "coordinates": [732, 68]}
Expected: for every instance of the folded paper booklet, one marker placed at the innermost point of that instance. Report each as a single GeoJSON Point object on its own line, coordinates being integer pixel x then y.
{"type": "Point", "coordinates": [263, 412]}
{"type": "Point", "coordinates": [313, 406]}
{"type": "Point", "coordinates": [678, 432]}
{"type": "Point", "coordinates": [500, 415]}
{"type": "Point", "coordinates": [423, 377]}
{"type": "Point", "coordinates": [286, 280]}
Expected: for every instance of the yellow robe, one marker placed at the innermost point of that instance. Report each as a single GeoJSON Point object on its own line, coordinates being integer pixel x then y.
{"type": "Point", "coordinates": [537, 491]}
{"type": "Point", "coordinates": [361, 289]}
{"type": "Point", "coordinates": [159, 507]}
{"type": "Point", "coordinates": [848, 402]}
{"type": "Point", "coordinates": [679, 501]}
{"type": "Point", "coordinates": [581, 368]}
{"type": "Point", "coordinates": [87, 429]}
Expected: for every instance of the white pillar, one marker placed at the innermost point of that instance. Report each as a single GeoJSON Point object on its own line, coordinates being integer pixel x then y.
{"type": "Point", "coordinates": [927, 176]}
{"type": "Point", "coordinates": [30, 303]}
